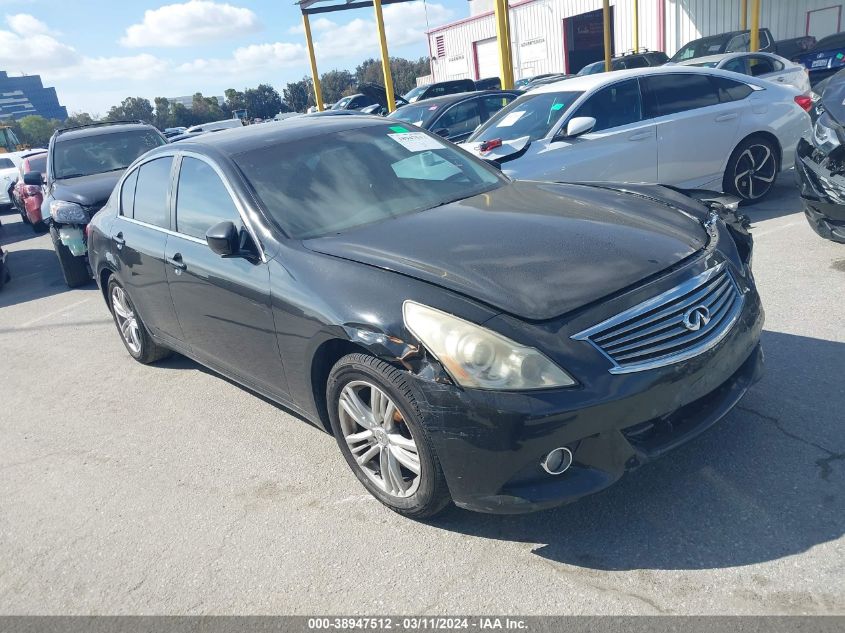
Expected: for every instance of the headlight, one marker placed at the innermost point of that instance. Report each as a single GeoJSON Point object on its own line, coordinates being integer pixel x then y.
{"type": "Point", "coordinates": [68, 212]}
{"type": "Point", "coordinates": [824, 134]}
{"type": "Point", "coordinates": [477, 357]}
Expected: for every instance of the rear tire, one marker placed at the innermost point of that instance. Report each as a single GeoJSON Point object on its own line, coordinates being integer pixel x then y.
{"type": "Point", "coordinates": [752, 170]}
{"type": "Point", "coordinates": [394, 441]}
{"type": "Point", "coordinates": [74, 269]}
{"type": "Point", "coordinates": [134, 334]}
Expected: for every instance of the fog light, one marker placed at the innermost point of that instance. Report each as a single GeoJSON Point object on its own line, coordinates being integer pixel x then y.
{"type": "Point", "coordinates": [557, 461]}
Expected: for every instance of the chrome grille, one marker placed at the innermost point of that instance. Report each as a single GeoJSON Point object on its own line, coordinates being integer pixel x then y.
{"type": "Point", "coordinates": [673, 326]}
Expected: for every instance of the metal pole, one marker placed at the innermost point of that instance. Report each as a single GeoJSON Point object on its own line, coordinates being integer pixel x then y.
{"type": "Point", "coordinates": [385, 57]}
{"type": "Point", "coordinates": [636, 26]}
{"type": "Point", "coordinates": [315, 77]}
{"type": "Point", "coordinates": [743, 15]}
{"type": "Point", "coordinates": [503, 39]}
{"type": "Point", "coordinates": [755, 25]}
{"type": "Point", "coordinates": [607, 54]}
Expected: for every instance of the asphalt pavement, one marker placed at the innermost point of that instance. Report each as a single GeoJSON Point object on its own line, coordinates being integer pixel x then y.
{"type": "Point", "coordinates": [166, 489]}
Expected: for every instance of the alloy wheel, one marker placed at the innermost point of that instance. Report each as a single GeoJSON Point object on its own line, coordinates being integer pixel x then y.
{"type": "Point", "coordinates": [755, 172]}
{"type": "Point", "coordinates": [379, 439]}
{"type": "Point", "coordinates": [127, 322]}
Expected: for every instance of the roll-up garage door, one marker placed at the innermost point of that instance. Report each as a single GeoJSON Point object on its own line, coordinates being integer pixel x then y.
{"type": "Point", "coordinates": [487, 58]}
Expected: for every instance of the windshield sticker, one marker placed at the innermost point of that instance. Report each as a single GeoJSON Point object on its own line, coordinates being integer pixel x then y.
{"type": "Point", "coordinates": [434, 107]}
{"type": "Point", "coordinates": [416, 141]}
{"type": "Point", "coordinates": [511, 118]}
{"type": "Point", "coordinates": [557, 106]}
{"type": "Point", "coordinates": [398, 128]}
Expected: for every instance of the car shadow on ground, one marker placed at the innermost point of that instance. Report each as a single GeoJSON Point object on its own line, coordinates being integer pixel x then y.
{"type": "Point", "coordinates": [782, 201]}
{"type": "Point", "coordinates": [12, 231]}
{"type": "Point", "coordinates": [764, 483]}
{"type": "Point", "coordinates": [35, 274]}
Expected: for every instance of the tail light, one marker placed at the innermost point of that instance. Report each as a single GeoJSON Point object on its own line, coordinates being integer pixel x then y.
{"type": "Point", "coordinates": [805, 102]}
{"type": "Point", "coordinates": [487, 146]}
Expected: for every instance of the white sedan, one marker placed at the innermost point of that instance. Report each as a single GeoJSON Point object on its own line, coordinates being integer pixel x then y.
{"type": "Point", "coordinates": [671, 125]}
{"type": "Point", "coordinates": [763, 65]}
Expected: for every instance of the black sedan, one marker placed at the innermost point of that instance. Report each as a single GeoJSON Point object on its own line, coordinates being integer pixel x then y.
{"type": "Point", "coordinates": [454, 117]}
{"type": "Point", "coordinates": [508, 346]}
{"type": "Point", "coordinates": [820, 164]}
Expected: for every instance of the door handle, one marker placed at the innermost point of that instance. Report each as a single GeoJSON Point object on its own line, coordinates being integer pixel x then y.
{"type": "Point", "coordinates": [726, 117]}
{"type": "Point", "coordinates": [641, 136]}
{"type": "Point", "coordinates": [177, 263]}
{"type": "Point", "coordinates": [118, 239]}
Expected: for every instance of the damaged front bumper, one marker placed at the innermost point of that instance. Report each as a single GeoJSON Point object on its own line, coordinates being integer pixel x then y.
{"type": "Point", "coordinates": [821, 183]}
{"type": "Point", "coordinates": [490, 444]}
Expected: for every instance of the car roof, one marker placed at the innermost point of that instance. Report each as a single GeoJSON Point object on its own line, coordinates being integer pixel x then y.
{"type": "Point", "coordinates": [460, 96]}
{"type": "Point", "coordinates": [97, 130]}
{"type": "Point", "coordinates": [584, 83]}
{"type": "Point", "coordinates": [250, 137]}
{"type": "Point", "coordinates": [726, 56]}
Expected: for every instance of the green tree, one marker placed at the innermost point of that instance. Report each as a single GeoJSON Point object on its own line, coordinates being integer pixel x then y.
{"type": "Point", "coordinates": [79, 118]}
{"type": "Point", "coordinates": [205, 109]}
{"type": "Point", "coordinates": [234, 101]}
{"type": "Point", "coordinates": [162, 113]}
{"type": "Point", "coordinates": [299, 95]}
{"type": "Point", "coordinates": [132, 109]}
{"type": "Point", "coordinates": [180, 116]}
{"type": "Point", "coordinates": [36, 131]}
{"type": "Point", "coordinates": [337, 83]}
{"type": "Point", "coordinates": [262, 102]}
{"type": "Point", "coordinates": [404, 72]}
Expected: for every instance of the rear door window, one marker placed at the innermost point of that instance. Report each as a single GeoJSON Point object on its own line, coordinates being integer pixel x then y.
{"type": "Point", "coordinates": [730, 90]}
{"type": "Point", "coordinates": [461, 118]}
{"type": "Point", "coordinates": [613, 106]}
{"type": "Point", "coordinates": [670, 94]}
{"type": "Point", "coordinates": [736, 65]}
{"type": "Point", "coordinates": [151, 192]}
{"type": "Point", "coordinates": [760, 65]}
{"type": "Point", "coordinates": [127, 194]}
{"type": "Point", "coordinates": [202, 199]}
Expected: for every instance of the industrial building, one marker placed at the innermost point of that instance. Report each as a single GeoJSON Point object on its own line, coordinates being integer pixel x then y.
{"type": "Point", "coordinates": [26, 95]}
{"type": "Point", "coordinates": [564, 35]}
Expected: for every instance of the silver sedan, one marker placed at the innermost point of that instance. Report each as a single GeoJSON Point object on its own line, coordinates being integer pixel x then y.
{"type": "Point", "coordinates": [763, 65]}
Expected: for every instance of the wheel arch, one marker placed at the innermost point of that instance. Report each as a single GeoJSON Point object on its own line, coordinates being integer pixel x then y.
{"type": "Point", "coordinates": [103, 277]}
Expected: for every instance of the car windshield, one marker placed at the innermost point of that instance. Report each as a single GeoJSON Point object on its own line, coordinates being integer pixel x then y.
{"type": "Point", "coordinates": [38, 163]}
{"type": "Point", "coordinates": [413, 93]}
{"type": "Point", "coordinates": [343, 180]}
{"type": "Point", "coordinates": [592, 69]}
{"type": "Point", "coordinates": [6, 163]}
{"type": "Point", "coordinates": [340, 105]}
{"type": "Point", "coordinates": [99, 153]}
{"type": "Point", "coordinates": [417, 114]}
{"type": "Point", "coordinates": [699, 48]}
{"type": "Point", "coordinates": [532, 115]}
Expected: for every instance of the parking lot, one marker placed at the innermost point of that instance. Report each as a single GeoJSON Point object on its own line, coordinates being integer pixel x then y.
{"type": "Point", "coordinates": [131, 489]}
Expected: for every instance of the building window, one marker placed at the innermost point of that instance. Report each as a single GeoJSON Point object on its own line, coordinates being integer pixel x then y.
{"type": "Point", "coordinates": [440, 45]}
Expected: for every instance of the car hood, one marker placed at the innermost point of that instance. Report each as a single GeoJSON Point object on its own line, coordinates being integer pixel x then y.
{"type": "Point", "coordinates": [88, 191]}
{"type": "Point", "coordinates": [535, 250]}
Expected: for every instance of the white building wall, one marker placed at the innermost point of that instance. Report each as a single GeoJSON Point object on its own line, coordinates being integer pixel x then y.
{"type": "Point", "coordinates": [538, 24]}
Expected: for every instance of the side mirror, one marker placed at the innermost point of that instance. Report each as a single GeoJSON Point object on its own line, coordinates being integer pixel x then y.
{"type": "Point", "coordinates": [33, 178]}
{"type": "Point", "coordinates": [579, 125]}
{"type": "Point", "coordinates": [222, 239]}
{"type": "Point", "coordinates": [444, 132]}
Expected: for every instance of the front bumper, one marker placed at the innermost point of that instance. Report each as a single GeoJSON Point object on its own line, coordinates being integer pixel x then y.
{"type": "Point", "coordinates": [490, 443]}
{"type": "Point", "coordinates": [822, 189]}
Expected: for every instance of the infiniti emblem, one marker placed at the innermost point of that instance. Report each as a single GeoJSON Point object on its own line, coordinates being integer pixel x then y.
{"type": "Point", "coordinates": [697, 317]}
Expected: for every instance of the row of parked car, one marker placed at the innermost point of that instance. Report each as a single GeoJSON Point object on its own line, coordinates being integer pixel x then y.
{"type": "Point", "coordinates": [508, 344]}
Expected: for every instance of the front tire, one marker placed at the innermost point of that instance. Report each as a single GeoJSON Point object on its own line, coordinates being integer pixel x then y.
{"type": "Point", "coordinates": [74, 269]}
{"type": "Point", "coordinates": [378, 426]}
{"type": "Point", "coordinates": [752, 170]}
{"type": "Point", "coordinates": [132, 330]}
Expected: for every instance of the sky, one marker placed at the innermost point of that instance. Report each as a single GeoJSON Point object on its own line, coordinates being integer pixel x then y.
{"type": "Point", "coordinates": [97, 52]}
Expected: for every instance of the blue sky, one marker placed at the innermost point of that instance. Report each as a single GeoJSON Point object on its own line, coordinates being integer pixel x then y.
{"type": "Point", "coordinates": [96, 52]}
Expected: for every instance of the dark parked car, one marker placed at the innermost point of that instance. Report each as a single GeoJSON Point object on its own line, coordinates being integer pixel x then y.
{"type": "Point", "coordinates": [354, 102]}
{"type": "Point", "coordinates": [83, 165]}
{"type": "Point", "coordinates": [5, 277]}
{"type": "Point", "coordinates": [820, 164]}
{"type": "Point", "coordinates": [825, 58]}
{"type": "Point", "coordinates": [739, 41]}
{"type": "Point", "coordinates": [454, 117]}
{"type": "Point", "coordinates": [629, 60]}
{"type": "Point", "coordinates": [439, 89]}
{"type": "Point", "coordinates": [488, 83]}
{"type": "Point", "coordinates": [509, 345]}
